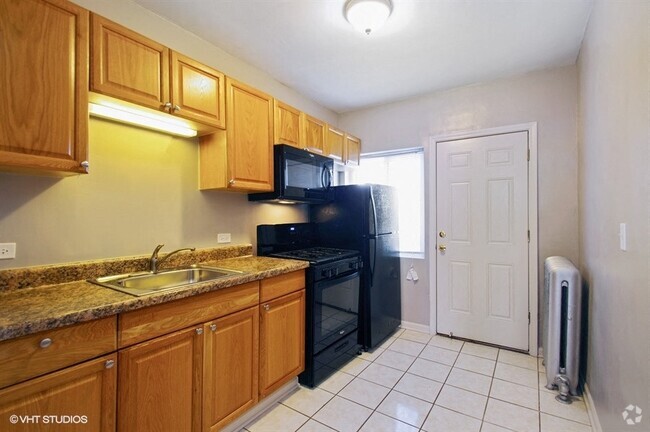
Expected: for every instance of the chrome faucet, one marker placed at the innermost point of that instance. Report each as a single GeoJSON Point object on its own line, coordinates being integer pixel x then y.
{"type": "Point", "coordinates": [155, 262]}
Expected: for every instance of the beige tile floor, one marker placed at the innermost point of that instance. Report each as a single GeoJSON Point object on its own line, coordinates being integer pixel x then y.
{"type": "Point", "coordinates": [415, 382]}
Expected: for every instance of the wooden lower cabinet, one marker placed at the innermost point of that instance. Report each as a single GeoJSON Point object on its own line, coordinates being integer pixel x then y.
{"type": "Point", "coordinates": [78, 398]}
{"type": "Point", "coordinates": [230, 367]}
{"type": "Point", "coordinates": [160, 384]}
{"type": "Point", "coordinates": [282, 341]}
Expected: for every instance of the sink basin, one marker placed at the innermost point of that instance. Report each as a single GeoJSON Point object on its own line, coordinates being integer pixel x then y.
{"type": "Point", "coordinates": [143, 283]}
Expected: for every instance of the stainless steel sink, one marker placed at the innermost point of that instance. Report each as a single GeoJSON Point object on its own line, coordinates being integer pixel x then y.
{"type": "Point", "coordinates": [143, 283]}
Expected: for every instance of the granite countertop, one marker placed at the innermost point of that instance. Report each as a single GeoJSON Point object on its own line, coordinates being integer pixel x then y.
{"type": "Point", "coordinates": [32, 309]}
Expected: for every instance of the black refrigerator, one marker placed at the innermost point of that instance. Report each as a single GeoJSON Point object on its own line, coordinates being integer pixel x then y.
{"type": "Point", "coordinates": [365, 218]}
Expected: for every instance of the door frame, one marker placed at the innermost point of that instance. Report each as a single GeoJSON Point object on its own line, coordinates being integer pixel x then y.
{"type": "Point", "coordinates": [533, 269]}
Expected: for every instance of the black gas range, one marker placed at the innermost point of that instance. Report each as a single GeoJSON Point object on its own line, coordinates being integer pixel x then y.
{"type": "Point", "coordinates": [332, 296]}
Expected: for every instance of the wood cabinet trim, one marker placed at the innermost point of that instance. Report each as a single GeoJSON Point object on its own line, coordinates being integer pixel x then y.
{"type": "Point", "coordinates": [278, 286]}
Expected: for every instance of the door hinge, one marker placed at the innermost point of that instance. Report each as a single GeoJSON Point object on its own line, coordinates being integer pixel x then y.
{"type": "Point", "coordinates": [528, 156]}
{"type": "Point", "coordinates": [528, 318]}
{"type": "Point", "coordinates": [528, 236]}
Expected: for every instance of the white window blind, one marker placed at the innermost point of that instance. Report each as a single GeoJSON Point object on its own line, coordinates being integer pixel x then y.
{"type": "Point", "coordinates": [403, 170]}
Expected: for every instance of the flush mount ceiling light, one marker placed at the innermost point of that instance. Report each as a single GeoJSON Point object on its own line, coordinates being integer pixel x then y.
{"type": "Point", "coordinates": [367, 15]}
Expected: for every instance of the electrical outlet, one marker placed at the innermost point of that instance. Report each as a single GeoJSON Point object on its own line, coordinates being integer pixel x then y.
{"type": "Point", "coordinates": [223, 238]}
{"type": "Point", "coordinates": [7, 250]}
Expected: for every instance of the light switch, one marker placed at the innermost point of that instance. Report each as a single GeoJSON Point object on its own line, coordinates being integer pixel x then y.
{"type": "Point", "coordinates": [622, 236]}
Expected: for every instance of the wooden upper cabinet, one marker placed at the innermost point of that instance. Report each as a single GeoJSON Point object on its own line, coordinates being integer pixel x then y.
{"type": "Point", "coordinates": [314, 133]}
{"type": "Point", "coordinates": [127, 65]}
{"type": "Point", "coordinates": [287, 125]}
{"type": "Point", "coordinates": [44, 86]}
{"type": "Point", "coordinates": [334, 143]}
{"type": "Point", "coordinates": [88, 389]}
{"type": "Point", "coordinates": [130, 67]}
{"type": "Point", "coordinates": [198, 91]}
{"type": "Point", "coordinates": [242, 157]}
{"type": "Point", "coordinates": [352, 150]}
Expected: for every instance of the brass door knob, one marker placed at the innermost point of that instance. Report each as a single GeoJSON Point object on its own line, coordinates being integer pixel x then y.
{"type": "Point", "coordinates": [442, 248]}
{"type": "Point", "coordinates": [442, 234]}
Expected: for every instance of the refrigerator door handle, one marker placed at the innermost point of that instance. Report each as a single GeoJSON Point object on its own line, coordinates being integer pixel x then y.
{"type": "Point", "coordinates": [374, 260]}
{"type": "Point", "coordinates": [374, 214]}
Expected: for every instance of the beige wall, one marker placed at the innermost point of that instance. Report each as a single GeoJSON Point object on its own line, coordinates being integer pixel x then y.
{"type": "Point", "coordinates": [548, 97]}
{"type": "Point", "coordinates": [614, 162]}
{"type": "Point", "coordinates": [142, 190]}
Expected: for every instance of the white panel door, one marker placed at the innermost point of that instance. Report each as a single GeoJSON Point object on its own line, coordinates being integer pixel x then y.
{"type": "Point", "coordinates": [482, 239]}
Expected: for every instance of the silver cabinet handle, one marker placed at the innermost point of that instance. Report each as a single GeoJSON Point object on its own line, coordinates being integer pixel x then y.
{"type": "Point", "coordinates": [267, 307]}
{"type": "Point", "coordinates": [232, 181]}
{"type": "Point", "coordinates": [176, 108]}
{"type": "Point", "coordinates": [109, 364]}
{"type": "Point", "coordinates": [168, 106]}
{"type": "Point", "coordinates": [213, 327]}
{"type": "Point", "coordinates": [85, 165]}
{"type": "Point", "coordinates": [199, 331]}
{"type": "Point", "coordinates": [45, 343]}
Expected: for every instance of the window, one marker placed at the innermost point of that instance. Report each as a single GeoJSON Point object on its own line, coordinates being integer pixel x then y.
{"type": "Point", "coordinates": [405, 171]}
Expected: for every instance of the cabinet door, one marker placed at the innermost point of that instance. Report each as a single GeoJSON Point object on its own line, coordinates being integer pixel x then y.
{"type": "Point", "coordinates": [250, 137]}
{"type": "Point", "coordinates": [352, 150]}
{"type": "Point", "coordinates": [230, 367]}
{"type": "Point", "coordinates": [44, 85]}
{"type": "Point", "coordinates": [334, 143]}
{"type": "Point", "coordinates": [198, 91]}
{"type": "Point", "coordinates": [86, 390]}
{"type": "Point", "coordinates": [160, 384]}
{"type": "Point", "coordinates": [282, 341]}
{"type": "Point", "coordinates": [128, 66]}
{"type": "Point", "coordinates": [286, 125]}
{"type": "Point", "coordinates": [314, 133]}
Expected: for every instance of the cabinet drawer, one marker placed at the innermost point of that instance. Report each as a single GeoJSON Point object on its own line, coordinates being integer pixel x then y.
{"type": "Point", "coordinates": [147, 323]}
{"type": "Point", "coordinates": [43, 352]}
{"type": "Point", "coordinates": [280, 285]}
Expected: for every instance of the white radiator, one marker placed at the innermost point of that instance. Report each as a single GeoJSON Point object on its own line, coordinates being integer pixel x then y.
{"type": "Point", "coordinates": [561, 329]}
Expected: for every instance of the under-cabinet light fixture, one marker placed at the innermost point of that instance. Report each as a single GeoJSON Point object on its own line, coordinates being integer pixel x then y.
{"type": "Point", "coordinates": [141, 118]}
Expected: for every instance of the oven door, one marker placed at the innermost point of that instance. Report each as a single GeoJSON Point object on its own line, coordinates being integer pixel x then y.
{"type": "Point", "coordinates": [336, 309]}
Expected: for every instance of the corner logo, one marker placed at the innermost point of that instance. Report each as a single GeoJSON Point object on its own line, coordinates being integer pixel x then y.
{"type": "Point", "coordinates": [632, 415]}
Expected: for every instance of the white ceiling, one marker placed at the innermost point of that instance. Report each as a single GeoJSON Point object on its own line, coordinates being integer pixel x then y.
{"type": "Point", "coordinates": [426, 45]}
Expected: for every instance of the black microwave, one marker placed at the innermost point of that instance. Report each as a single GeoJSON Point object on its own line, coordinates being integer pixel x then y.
{"type": "Point", "coordinates": [298, 177]}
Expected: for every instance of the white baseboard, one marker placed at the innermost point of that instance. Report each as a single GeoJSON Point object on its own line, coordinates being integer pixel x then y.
{"type": "Point", "coordinates": [415, 327]}
{"type": "Point", "coordinates": [591, 410]}
{"type": "Point", "coordinates": [261, 408]}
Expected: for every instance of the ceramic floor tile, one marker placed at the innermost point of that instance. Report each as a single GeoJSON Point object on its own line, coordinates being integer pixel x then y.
{"type": "Point", "coordinates": [372, 355]}
{"type": "Point", "coordinates": [407, 347]}
{"type": "Point", "coordinates": [516, 375]}
{"type": "Point", "coordinates": [308, 401]}
{"type": "Point", "coordinates": [355, 366]}
{"type": "Point", "coordinates": [577, 411]}
{"type": "Point", "coordinates": [364, 392]}
{"type": "Point", "coordinates": [343, 415]}
{"type": "Point", "coordinates": [489, 427]}
{"type": "Point", "coordinates": [395, 359]}
{"type": "Point", "coordinates": [462, 401]}
{"type": "Point", "coordinates": [518, 359]}
{"type": "Point", "coordinates": [336, 382]}
{"type": "Point", "coordinates": [379, 422]}
{"type": "Point", "coordinates": [419, 387]}
{"type": "Point", "coordinates": [446, 342]}
{"type": "Point", "coordinates": [471, 381]}
{"type": "Point", "coordinates": [554, 424]}
{"type": "Point", "coordinates": [382, 375]}
{"type": "Point", "coordinates": [480, 350]}
{"type": "Point", "coordinates": [511, 416]}
{"type": "Point", "coordinates": [444, 420]}
{"type": "Point", "coordinates": [439, 355]}
{"type": "Point", "coordinates": [405, 408]}
{"type": "Point", "coordinates": [314, 426]}
{"type": "Point", "coordinates": [515, 393]}
{"type": "Point", "coordinates": [416, 336]}
{"type": "Point", "coordinates": [475, 364]}
{"type": "Point", "coordinates": [429, 369]}
{"type": "Point", "coordinates": [279, 418]}
{"type": "Point", "coordinates": [386, 343]}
